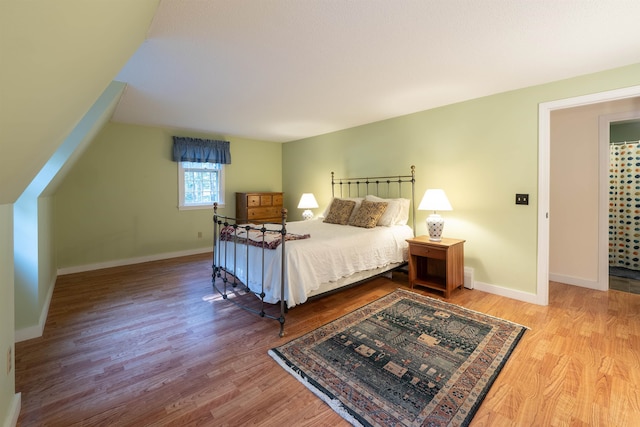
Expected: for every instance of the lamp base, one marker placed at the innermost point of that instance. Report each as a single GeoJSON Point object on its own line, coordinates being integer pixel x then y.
{"type": "Point", "coordinates": [435, 224]}
{"type": "Point", "coordinates": [307, 215]}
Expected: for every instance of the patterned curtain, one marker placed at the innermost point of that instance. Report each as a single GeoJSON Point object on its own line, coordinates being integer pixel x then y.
{"type": "Point", "coordinates": [624, 205]}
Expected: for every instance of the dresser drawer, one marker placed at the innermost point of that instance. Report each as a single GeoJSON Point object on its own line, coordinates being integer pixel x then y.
{"type": "Point", "coordinates": [264, 212]}
{"type": "Point", "coordinates": [266, 200]}
{"type": "Point", "coordinates": [253, 201]}
{"type": "Point", "coordinates": [428, 251]}
{"type": "Point", "coordinates": [259, 206]}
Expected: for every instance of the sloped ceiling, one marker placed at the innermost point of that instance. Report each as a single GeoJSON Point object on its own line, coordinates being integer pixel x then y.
{"type": "Point", "coordinates": [56, 59]}
{"type": "Point", "coordinates": [282, 70]}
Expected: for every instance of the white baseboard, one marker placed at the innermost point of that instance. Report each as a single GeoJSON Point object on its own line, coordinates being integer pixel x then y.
{"type": "Point", "coordinates": [36, 331]}
{"type": "Point", "coordinates": [576, 281]}
{"type": "Point", "coordinates": [11, 419]}
{"type": "Point", "coordinates": [505, 292]}
{"type": "Point", "coordinates": [129, 261]}
{"type": "Point", "coordinates": [529, 297]}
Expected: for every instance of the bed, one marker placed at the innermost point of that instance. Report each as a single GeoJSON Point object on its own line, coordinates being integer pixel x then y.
{"type": "Point", "coordinates": [362, 234]}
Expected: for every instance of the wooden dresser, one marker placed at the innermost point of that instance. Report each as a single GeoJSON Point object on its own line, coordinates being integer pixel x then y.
{"type": "Point", "coordinates": [259, 206]}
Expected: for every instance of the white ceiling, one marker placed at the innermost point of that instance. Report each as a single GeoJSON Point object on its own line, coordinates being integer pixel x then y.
{"type": "Point", "coordinates": [281, 70]}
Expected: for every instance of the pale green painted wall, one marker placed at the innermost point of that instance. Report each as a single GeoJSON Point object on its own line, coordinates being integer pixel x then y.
{"type": "Point", "coordinates": [57, 58]}
{"type": "Point", "coordinates": [35, 270]}
{"type": "Point", "coordinates": [47, 264]}
{"type": "Point", "coordinates": [35, 266]}
{"type": "Point", "coordinates": [7, 382]}
{"type": "Point", "coordinates": [482, 152]}
{"type": "Point", "coordinates": [120, 199]}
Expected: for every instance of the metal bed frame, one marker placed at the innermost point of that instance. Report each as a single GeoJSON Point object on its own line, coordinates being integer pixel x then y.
{"type": "Point", "coordinates": [230, 286]}
{"type": "Point", "coordinates": [355, 187]}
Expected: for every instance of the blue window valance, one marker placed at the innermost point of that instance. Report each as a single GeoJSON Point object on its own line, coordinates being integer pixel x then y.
{"type": "Point", "coordinates": [200, 150]}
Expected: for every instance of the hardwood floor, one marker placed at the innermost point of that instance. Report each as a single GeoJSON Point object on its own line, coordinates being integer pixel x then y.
{"type": "Point", "coordinates": [148, 344]}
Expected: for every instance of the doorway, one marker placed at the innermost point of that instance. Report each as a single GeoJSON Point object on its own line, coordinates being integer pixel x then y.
{"type": "Point", "coordinates": [544, 149]}
{"type": "Point", "coordinates": [624, 204]}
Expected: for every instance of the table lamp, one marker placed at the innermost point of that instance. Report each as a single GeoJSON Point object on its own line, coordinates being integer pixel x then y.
{"type": "Point", "coordinates": [307, 202]}
{"type": "Point", "coordinates": [435, 200]}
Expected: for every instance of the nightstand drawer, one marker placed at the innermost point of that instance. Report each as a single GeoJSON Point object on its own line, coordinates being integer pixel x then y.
{"type": "Point", "coordinates": [429, 252]}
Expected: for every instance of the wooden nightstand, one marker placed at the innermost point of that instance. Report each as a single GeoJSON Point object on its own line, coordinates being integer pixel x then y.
{"type": "Point", "coordinates": [436, 265]}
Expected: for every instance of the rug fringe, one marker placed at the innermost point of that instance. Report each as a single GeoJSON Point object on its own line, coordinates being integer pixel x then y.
{"type": "Point", "coordinates": [335, 404]}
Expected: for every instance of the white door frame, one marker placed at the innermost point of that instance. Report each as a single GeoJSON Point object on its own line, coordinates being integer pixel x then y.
{"type": "Point", "coordinates": [544, 162]}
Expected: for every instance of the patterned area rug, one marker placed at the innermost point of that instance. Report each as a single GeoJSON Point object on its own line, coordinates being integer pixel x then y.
{"type": "Point", "coordinates": [403, 360]}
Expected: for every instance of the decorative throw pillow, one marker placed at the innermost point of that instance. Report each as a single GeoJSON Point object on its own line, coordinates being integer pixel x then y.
{"type": "Point", "coordinates": [340, 211]}
{"type": "Point", "coordinates": [358, 200]}
{"type": "Point", "coordinates": [368, 214]}
{"type": "Point", "coordinates": [397, 212]}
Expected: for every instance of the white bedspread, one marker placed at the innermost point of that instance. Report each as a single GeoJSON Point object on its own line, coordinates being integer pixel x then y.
{"type": "Point", "coordinates": [332, 252]}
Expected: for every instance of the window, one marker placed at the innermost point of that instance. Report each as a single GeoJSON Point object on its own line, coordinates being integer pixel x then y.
{"type": "Point", "coordinates": [200, 185]}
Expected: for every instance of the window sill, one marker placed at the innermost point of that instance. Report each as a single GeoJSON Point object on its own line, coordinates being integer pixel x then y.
{"type": "Point", "coordinates": [199, 207]}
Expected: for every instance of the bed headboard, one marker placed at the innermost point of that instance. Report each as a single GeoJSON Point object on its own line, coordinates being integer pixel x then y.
{"type": "Point", "coordinates": [393, 186]}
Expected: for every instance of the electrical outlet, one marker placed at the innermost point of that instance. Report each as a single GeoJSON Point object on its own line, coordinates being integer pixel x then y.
{"type": "Point", "coordinates": [522, 199]}
{"type": "Point", "coordinates": [199, 234]}
{"type": "Point", "coordinates": [9, 361]}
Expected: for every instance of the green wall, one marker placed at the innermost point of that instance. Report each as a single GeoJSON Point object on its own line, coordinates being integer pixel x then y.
{"type": "Point", "coordinates": [481, 152]}
{"type": "Point", "coordinates": [35, 263]}
{"type": "Point", "coordinates": [7, 382]}
{"type": "Point", "coordinates": [119, 202]}
{"type": "Point", "coordinates": [57, 58]}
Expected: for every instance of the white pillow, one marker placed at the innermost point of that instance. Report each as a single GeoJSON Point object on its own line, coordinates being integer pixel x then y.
{"type": "Point", "coordinates": [358, 201]}
{"type": "Point", "coordinates": [397, 212]}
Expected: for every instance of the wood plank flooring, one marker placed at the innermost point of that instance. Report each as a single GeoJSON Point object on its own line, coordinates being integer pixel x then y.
{"type": "Point", "coordinates": [149, 345]}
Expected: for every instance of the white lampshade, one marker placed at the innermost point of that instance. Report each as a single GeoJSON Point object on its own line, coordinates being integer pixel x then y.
{"type": "Point", "coordinates": [435, 200]}
{"type": "Point", "coordinates": [307, 201]}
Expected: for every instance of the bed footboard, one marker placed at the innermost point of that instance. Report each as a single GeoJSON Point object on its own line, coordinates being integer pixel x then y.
{"type": "Point", "coordinates": [240, 284]}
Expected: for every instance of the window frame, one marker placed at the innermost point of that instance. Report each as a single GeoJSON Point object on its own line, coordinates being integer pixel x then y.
{"type": "Point", "coordinates": [181, 190]}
